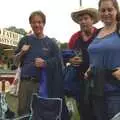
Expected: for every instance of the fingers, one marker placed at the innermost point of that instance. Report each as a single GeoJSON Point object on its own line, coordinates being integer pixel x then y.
{"type": "Point", "coordinates": [25, 48]}
{"type": "Point", "coordinates": [39, 62]}
{"type": "Point", "coordinates": [76, 60]}
{"type": "Point", "coordinates": [86, 76]}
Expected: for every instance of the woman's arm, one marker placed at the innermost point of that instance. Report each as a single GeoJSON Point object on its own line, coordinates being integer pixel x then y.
{"type": "Point", "coordinates": [116, 73]}
{"type": "Point", "coordinates": [88, 73]}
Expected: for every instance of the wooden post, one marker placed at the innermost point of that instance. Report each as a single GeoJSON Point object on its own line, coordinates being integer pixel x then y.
{"type": "Point", "coordinates": [80, 3]}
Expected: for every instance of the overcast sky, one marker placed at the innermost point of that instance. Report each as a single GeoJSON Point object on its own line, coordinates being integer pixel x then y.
{"type": "Point", "coordinates": [59, 23]}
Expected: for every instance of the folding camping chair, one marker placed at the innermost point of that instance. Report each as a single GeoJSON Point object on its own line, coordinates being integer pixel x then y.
{"type": "Point", "coordinates": [46, 108]}
{"type": "Point", "coordinates": [4, 88]}
{"type": "Point", "coordinates": [116, 117]}
{"type": "Point", "coordinates": [43, 109]}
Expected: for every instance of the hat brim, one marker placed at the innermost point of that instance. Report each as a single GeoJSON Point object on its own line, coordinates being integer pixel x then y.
{"type": "Point", "coordinates": [90, 11]}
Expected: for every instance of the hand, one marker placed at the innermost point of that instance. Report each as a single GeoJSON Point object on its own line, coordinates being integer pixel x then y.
{"type": "Point", "coordinates": [15, 82]}
{"type": "Point", "coordinates": [25, 48]}
{"type": "Point", "coordinates": [116, 74]}
{"type": "Point", "coordinates": [39, 62]}
{"type": "Point", "coordinates": [87, 74]}
{"type": "Point", "coordinates": [76, 60]}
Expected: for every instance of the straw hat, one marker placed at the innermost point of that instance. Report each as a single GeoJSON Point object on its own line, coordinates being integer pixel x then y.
{"type": "Point", "coordinates": [90, 11]}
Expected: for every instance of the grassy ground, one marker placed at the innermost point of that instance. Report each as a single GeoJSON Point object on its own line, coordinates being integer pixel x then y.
{"type": "Point", "coordinates": [12, 102]}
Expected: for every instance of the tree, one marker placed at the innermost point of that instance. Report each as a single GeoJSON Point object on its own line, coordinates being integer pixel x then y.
{"type": "Point", "coordinates": [63, 45]}
{"type": "Point", "coordinates": [17, 30]}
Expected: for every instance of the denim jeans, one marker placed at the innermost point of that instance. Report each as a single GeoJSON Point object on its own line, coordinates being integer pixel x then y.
{"type": "Point", "coordinates": [112, 102]}
{"type": "Point", "coordinates": [104, 108]}
{"type": "Point", "coordinates": [99, 110]}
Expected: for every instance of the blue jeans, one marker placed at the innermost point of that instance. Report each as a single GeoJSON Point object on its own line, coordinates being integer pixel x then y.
{"type": "Point", "coordinates": [112, 102]}
{"type": "Point", "coordinates": [104, 108]}
{"type": "Point", "coordinates": [98, 107]}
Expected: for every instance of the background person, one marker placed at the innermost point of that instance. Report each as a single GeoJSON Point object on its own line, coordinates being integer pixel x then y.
{"type": "Point", "coordinates": [79, 42]}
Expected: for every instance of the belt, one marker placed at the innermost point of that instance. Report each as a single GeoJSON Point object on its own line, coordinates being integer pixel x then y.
{"type": "Point", "coordinates": [30, 78]}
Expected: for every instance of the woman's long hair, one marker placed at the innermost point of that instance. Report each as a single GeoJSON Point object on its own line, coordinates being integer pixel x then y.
{"type": "Point", "coordinates": [118, 23]}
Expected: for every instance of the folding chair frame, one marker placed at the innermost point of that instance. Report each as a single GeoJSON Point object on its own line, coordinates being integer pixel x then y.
{"type": "Point", "coordinates": [60, 109]}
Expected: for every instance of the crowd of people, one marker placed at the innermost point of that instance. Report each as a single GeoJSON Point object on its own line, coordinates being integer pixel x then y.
{"type": "Point", "coordinates": [96, 61]}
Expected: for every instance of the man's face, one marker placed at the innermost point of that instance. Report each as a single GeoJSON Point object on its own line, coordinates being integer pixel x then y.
{"type": "Point", "coordinates": [85, 22]}
{"type": "Point", "coordinates": [37, 24]}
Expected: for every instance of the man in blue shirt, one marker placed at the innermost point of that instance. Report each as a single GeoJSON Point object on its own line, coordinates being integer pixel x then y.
{"type": "Point", "coordinates": [40, 65]}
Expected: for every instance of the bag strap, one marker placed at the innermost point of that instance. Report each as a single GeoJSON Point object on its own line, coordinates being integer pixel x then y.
{"type": "Point", "coordinates": [18, 60]}
{"type": "Point", "coordinates": [79, 43]}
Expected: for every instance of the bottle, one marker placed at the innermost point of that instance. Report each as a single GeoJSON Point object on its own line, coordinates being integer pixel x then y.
{"type": "Point", "coordinates": [78, 56]}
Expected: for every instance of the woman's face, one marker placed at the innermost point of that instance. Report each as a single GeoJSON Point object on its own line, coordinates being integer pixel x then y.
{"type": "Point", "coordinates": [37, 24]}
{"type": "Point", "coordinates": [107, 12]}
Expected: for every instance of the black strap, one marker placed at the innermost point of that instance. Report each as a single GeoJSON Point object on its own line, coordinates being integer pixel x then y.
{"type": "Point", "coordinates": [80, 42]}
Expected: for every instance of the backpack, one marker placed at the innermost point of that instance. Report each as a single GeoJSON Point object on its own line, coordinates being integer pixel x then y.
{"type": "Point", "coordinates": [71, 80]}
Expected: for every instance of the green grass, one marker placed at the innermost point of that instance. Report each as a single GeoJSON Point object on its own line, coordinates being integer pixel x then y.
{"type": "Point", "coordinates": [12, 102]}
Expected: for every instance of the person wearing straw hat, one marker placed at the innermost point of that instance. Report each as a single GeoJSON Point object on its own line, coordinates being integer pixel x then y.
{"type": "Point", "coordinates": [79, 41]}
{"type": "Point", "coordinates": [80, 13]}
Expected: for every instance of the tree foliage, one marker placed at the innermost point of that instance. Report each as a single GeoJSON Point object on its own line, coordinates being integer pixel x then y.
{"type": "Point", "coordinates": [63, 45]}
{"type": "Point", "coordinates": [17, 30]}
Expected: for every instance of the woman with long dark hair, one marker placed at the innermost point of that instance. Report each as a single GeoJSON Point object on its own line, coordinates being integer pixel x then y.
{"type": "Point", "coordinates": [104, 54]}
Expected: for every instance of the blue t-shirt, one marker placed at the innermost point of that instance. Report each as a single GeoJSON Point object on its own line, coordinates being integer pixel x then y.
{"type": "Point", "coordinates": [39, 48]}
{"type": "Point", "coordinates": [105, 53]}
{"type": "Point", "coordinates": [44, 48]}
